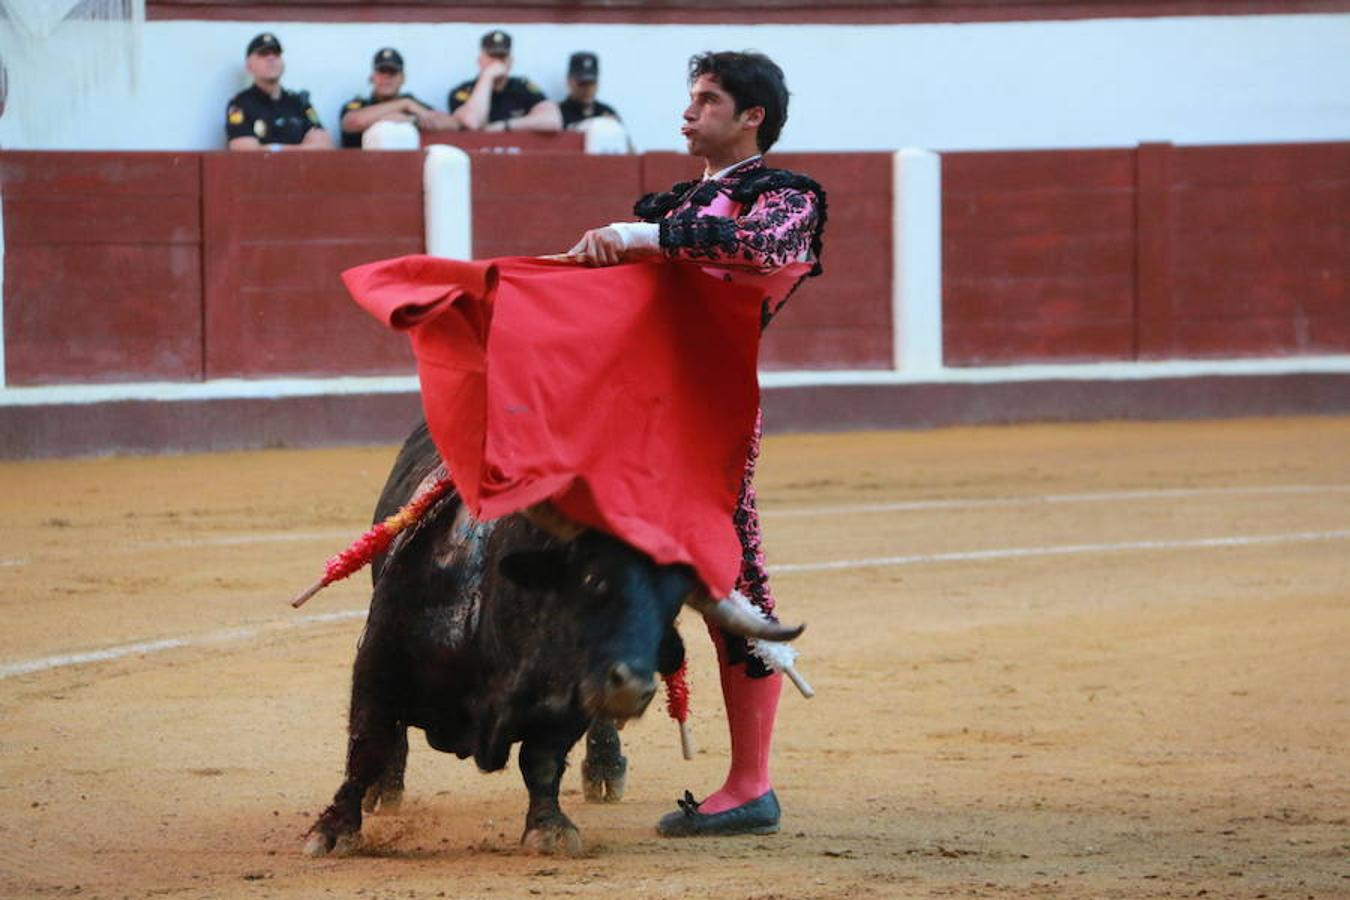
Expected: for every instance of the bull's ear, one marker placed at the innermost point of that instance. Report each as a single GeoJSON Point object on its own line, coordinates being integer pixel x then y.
{"type": "Point", "coordinates": [534, 570]}
{"type": "Point", "coordinates": [670, 655]}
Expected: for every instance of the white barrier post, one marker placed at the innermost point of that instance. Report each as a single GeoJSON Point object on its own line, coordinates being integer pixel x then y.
{"type": "Point", "coordinates": [391, 136]}
{"type": "Point", "coordinates": [448, 211]}
{"type": "Point", "coordinates": [605, 135]}
{"type": "Point", "coordinates": [916, 282]}
{"type": "Point", "coordinates": [2, 290]}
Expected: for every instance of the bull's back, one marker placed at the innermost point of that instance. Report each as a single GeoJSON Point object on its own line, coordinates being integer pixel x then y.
{"type": "Point", "coordinates": [417, 461]}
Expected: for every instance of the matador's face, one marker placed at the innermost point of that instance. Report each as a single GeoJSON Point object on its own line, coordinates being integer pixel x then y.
{"type": "Point", "coordinates": [712, 127]}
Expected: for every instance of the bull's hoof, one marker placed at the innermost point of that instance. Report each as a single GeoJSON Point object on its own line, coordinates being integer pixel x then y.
{"type": "Point", "coordinates": [321, 844]}
{"type": "Point", "coordinates": [604, 783]}
{"type": "Point", "coordinates": [554, 840]}
{"type": "Point", "coordinates": [384, 801]}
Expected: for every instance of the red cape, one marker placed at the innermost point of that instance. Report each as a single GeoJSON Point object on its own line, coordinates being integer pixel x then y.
{"type": "Point", "coordinates": [626, 395]}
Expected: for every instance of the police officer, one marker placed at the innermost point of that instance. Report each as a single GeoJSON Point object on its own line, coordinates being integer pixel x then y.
{"type": "Point", "coordinates": [583, 80]}
{"type": "Point", "coordinates": [266, 116]}
{"type": "Point", "coordinates": [388, 103]}
{"type": "Point", "coordinates": [495, 101]}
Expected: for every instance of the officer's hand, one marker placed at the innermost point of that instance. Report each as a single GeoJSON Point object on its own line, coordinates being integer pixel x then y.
{"type": "Point", "coordinates": [598, 247]}
{"type": "Point", "coordinates": [493, 68]}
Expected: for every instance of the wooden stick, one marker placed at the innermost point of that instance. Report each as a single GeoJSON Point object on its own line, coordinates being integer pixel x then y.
{"type": "Point", "coordinates": [308, 592]}
{"type": "Point", "coordinates": [686, 741]}
{"type": "Point", "coordinates": [807, 691]}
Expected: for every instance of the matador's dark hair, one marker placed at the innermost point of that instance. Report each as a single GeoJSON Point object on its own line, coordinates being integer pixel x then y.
{"type": "Point", "coordinates": [752, 79]}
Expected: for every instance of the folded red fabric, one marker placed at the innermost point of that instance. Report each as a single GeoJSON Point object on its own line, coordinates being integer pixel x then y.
{"type": "Point", "coordinates": [626, 395]}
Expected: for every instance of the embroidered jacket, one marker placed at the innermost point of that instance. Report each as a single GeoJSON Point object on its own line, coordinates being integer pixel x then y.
{"type": "Point", "coordinates": [755, 224]}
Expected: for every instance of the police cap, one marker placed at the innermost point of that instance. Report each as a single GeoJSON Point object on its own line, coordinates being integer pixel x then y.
{"type": "Point", "coordinates": [584, 66]}
{"type": "Point", "coordinates": [264, 43]}
{"type": "Point", "coordinates": [496, 43]}
{"type": "Point", "coordinates": [387, 58]}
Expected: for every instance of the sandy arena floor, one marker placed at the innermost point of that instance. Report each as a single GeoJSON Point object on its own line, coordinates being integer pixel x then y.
{"type": "Point", "coordinates": [1092, 661]}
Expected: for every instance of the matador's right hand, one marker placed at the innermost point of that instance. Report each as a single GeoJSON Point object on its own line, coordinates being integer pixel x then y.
{"type": "Point", "coordinates": [599, 247]}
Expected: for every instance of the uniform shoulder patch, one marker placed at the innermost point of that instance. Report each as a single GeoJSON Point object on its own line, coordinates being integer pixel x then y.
{"type": "Point", "coordinates": [462, 94]}
{"type": "Point", "coordinates": [312, 114]}
{"type": "Point", "coordinates": [355, 104]}
{"type": "Point", "coordinates": [234, 115]}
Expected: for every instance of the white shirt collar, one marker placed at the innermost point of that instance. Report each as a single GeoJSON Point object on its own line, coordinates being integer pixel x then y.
{"type": "Point", "coordinates": [733, 167]}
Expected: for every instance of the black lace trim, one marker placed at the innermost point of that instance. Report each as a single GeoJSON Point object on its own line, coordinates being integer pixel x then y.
{"type": "Point", "coordinates": [745, 190]}
{"type": "Point", "coordinates": [748, 189]}
{"type": "Point", "coordinates": [656, 206]}
{"type": "Point", "coordinates": [688, 230]}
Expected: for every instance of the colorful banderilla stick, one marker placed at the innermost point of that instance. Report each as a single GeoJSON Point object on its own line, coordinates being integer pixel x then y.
{"type": "Point", "coordinates": [375, 541]}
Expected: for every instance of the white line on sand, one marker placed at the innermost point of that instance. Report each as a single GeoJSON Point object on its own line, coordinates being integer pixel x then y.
{"type": "Point", "coordinates": [344, 536]}
{"type": "Point", "coordinates": [1038, 499]}
{"type": "Point", "coordinates": [143, 648]}
{"type": "Point", "coordinates": [1061, 550]}
{"type": "Point", "coordinates": [24, 667]}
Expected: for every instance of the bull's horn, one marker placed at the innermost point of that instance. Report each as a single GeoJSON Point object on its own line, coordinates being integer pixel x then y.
{"type": "Point", "coordinates": [730, 616]}
{"type": "Point", "coordinates": [546, 518]}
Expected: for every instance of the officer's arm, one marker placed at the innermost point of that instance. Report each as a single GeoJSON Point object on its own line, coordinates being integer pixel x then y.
{"type": "Point", "coordinates": [401, 109]}
{"type": "Point", "coordinates": [543, 116]}
{"type": "Point", "coordinates": [239, 129]}
{"type": "Point", "coordinates": [435, 120]}
{"type": "Point", "coordinates": [473, 113]}
{"type": "Point", "coordinates": [317, 139]}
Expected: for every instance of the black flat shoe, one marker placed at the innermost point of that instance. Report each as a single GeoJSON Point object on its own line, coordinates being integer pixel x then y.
{"type": "Point", "coordinates": [759, 816]}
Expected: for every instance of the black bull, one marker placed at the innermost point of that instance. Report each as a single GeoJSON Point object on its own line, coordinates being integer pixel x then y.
{"type": "Point", "coordinates": [489, 634]}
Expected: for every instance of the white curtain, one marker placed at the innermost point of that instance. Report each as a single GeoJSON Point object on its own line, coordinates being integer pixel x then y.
{"type": "Point", "coordinates": [57, 54]}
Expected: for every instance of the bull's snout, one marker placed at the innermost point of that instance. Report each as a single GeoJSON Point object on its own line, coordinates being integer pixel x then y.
{"type": "Point", "coordinates": [627, 693]}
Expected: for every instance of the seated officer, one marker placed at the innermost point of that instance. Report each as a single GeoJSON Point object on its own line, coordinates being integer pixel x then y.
{"type": "Point", "coordinates": [266, 116]}
{"type": "Point", "coordinates": [583, 80]}
{"type": "Point", "coordinates": [495, 101]}
{"type": "Point", "coordinates": [387, 103]}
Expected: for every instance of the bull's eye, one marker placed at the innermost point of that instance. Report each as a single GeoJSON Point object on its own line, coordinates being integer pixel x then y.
{"type": "Point", "coordinates": [595, 584]}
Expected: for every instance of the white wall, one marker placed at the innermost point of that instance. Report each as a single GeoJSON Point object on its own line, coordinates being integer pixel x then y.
{"type": "Point", "coordinates": [1109, 82]}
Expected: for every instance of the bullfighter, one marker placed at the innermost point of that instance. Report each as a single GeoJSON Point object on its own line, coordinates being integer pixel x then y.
{"type": "Point", "coordinates": [749, 223]}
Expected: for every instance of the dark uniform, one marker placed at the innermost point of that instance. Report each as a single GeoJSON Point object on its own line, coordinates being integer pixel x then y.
{"type": "Point", "coordinates": [285, 120]}
{"type": "Point", "coordinates": [574, 112]}
{"type": "Point", "coordinates": [352, 139]}
{"type": "Point", "coordinates": [515, 99]}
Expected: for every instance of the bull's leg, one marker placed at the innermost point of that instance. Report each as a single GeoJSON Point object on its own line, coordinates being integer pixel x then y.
{"type": "Point", "coordinates": [604, 771]}
{"type": "Point", "coordinates": [547, 829]}
{"type": "Point", "coordinates": [374, 737]}
{"type": "Point", "coordinates": [386, 794]}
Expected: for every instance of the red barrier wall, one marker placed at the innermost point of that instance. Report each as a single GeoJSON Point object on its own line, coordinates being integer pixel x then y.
{"type": "Point", "coordinates": [1037, 256]}
{"type": "Point", "coordinates": [843, 318]}
{"type": "Point", "coordinates": [542, 203]}
{"type": "Point", "coordinates": [102, 267]}
{"type": "Point", "coordinates": [1156, 253]}
{"type": "Point", "coordinates": [509, 141]}
{"type": "Point", "coordinates": [171, 266]}
{"type": "Point", "coordinates": [279, 230]}
{"type": "Point", "coordinates": [1252, 250]}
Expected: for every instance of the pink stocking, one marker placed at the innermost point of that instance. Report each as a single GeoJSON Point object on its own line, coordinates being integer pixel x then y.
{"type": "Point", "coordinates": [752, 704]}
